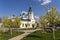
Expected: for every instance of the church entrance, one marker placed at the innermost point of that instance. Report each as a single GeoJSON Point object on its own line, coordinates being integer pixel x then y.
{"type": "Point", "coordinates": [27, 25]}
{"type": "Point", "coordinates": [33, 25]}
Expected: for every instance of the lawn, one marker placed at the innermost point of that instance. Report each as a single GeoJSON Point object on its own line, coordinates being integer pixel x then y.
{"type": "Point", "coordinates": [7, 35]}
{"type": "Point", "coordinates": [38, 35]}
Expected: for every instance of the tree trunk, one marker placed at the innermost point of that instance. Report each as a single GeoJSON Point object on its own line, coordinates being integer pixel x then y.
{"type": "Point", "coordinates": [44, 29]}
{"type": "Point", "coordinates": [18, 29]}
{"type": "Point", "coordinates": [3, 29]}
{"type": "Point", "coordinates": [11, 31]}
{"type": "Point", "coordinates": [53, 33]}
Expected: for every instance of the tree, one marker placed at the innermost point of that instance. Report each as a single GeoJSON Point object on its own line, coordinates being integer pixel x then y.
{"type": "Point", "coordinates": [11, 26]}
{"type": "Point", "coordinates": [5, 22]}
{"type": "Point", "coordinates": [17, 22]}
{"type": "Point", "coordinates": [10, 23]}
{"type": "Point", "coordinates": [43, 22]}
{"type": "Point", "coordinates": [52, 17]}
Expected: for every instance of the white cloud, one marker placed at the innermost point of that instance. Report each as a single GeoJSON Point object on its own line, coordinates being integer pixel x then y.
{"type": "Point", "coordinates": [36, 17]}
{"type": "Point", "coordinates": [46, 2]}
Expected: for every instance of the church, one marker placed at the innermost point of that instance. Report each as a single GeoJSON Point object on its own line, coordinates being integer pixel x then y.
{"type": "Point", "coordinates": [27, 19]}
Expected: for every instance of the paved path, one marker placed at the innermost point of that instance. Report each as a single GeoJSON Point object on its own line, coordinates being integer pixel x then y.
{"type": "Point", "coordinates": [27, 32]}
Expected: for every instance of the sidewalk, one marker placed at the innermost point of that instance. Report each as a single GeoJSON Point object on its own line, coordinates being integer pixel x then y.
{"type": "Point", "coordinates": [27, 32]}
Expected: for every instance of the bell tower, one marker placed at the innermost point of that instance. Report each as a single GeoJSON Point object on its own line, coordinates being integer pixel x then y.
{"type": "Point", "coordinates": [30, 13]}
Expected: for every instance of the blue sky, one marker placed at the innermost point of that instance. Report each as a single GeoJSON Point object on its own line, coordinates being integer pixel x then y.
{"type": "Point", "coordinates": [10, 7]}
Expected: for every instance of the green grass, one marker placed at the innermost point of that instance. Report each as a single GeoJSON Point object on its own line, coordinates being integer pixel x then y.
{"type": "Point", "coordinates": [38, 35]}
{"type": "Point", "coordinates": [7, 35]}
{"type": "Point", "coordinates": [57, 34]}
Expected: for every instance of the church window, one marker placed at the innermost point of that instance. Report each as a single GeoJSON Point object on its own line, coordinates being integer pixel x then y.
{"type": "Point", "coordinates": [22, 25]}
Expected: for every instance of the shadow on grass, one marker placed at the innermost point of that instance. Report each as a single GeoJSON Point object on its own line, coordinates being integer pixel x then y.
{"type": "Point", "coordinates": [49, 31]}
{"type": "Point", "coordinates": [34, 36]}
{"type": "Point", "coordinates": [58, 39]}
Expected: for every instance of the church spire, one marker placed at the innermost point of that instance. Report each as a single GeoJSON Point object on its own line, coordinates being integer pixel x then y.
{"type": "Point", "coordinates": [30, 8]}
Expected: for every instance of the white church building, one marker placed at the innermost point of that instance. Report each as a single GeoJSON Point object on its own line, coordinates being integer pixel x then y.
{"type": "Point", "coordinates": [27, 19]}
